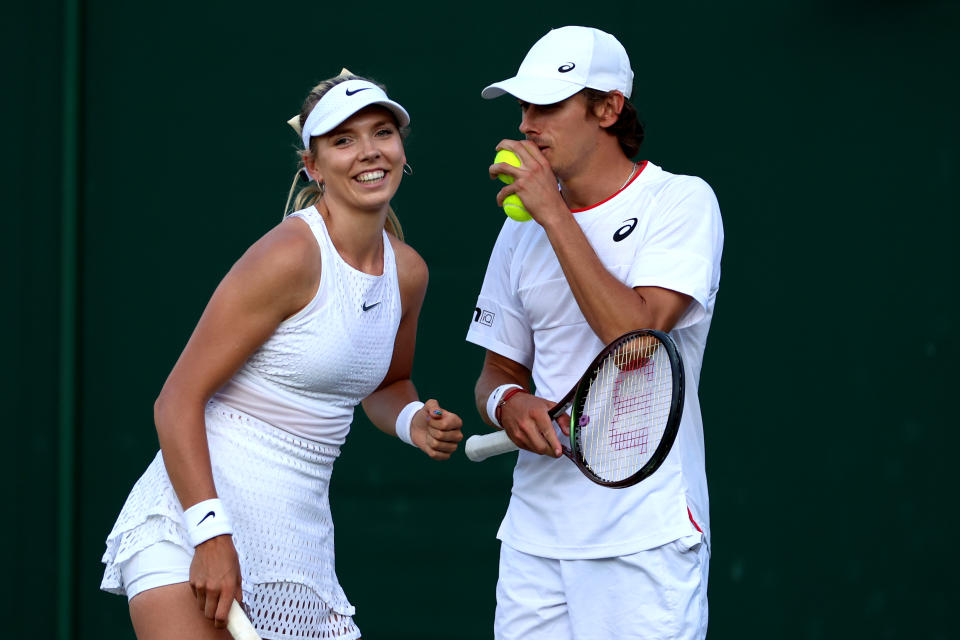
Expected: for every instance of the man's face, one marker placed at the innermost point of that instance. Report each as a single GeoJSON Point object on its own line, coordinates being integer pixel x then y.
{"type": "Point", "coordinates": [565, 132]}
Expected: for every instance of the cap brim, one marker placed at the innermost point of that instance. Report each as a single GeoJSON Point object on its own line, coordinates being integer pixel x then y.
{"type": "Point", "coordinates": [532, 89]}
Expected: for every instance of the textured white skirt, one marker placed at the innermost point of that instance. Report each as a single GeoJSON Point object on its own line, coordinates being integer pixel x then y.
{"type": "Point", "coordinates": [275, 488]}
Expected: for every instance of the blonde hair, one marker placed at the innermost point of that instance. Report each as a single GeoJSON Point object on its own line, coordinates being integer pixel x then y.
{"type": "Point", "coordinates": [311, 194]}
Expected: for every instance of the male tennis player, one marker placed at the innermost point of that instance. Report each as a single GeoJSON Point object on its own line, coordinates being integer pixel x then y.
{"type": "Point", "coordinates": [614, 245]}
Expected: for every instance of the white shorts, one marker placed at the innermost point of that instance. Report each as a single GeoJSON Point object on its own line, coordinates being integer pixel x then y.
{"type": "Point", "coordinates": [653, 594]}
{"type": "Point", "coordinates": [158, 565]}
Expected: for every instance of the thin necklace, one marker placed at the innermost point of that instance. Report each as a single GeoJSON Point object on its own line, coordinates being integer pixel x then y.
{"type": "Point", "coordinates": [629, 177]}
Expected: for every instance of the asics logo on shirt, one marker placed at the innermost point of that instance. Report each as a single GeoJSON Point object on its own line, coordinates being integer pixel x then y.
{"type": "Point", "coordinates": [209, 514]}
{"type": "Point", "coordinates": [367, 308]}
{"type": "Point", "coordinates": [350, 93]}
{"type": "Point", "coordinates": [625, 230]}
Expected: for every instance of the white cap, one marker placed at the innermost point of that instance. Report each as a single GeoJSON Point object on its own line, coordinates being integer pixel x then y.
{"type": "Point", "coordinates": [565, 61]}
{"type": "Point", "coordinates": [342, 101]}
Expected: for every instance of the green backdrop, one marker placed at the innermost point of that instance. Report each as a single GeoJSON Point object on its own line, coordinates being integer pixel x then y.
{"type": "Point", "coordinates": [146, 148]}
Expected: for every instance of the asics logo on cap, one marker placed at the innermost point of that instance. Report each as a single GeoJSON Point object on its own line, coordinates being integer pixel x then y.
{"type": "Point", "coordinates": [566, 67]}
{"type": "Point", "coordinates": [350, 93]}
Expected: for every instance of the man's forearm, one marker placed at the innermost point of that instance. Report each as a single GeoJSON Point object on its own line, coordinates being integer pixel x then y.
{"type": "Point", "coordinates": [497, 371]}
{"type": "Point", "coordinates": [610, 307]}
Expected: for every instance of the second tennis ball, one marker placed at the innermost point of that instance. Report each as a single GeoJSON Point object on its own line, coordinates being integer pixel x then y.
{"type": "Point", "coordinates": [512, 205]}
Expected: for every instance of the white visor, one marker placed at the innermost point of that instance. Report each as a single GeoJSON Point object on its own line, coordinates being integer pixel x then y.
{"type": "Point", "coordinates": [342, 101]}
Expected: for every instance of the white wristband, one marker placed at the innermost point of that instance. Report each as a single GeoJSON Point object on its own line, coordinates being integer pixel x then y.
{"type": "Point", "coordinates": [404, 420]}
{"type": "Point", "coordinates": [205, 520]}
{"type": "Point", "coordinates": [494, 400]}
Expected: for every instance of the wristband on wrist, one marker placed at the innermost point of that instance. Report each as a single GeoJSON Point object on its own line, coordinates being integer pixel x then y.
{"type": "Point", "coordinates": [205, 520]}
{"type": "Point", "coordinates": [495, 399]}
{"type": "Point", "coordinates": [506, 396]}
{"type": "Point", "coordinates": [405, 418]}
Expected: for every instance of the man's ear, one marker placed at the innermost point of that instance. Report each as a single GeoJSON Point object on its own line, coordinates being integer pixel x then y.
{"type": "Point", "coordinates": [609, 110]}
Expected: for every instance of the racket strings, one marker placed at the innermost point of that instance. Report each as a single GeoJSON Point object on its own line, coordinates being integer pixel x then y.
{"type": "Point", "coordinates": [626, 409]}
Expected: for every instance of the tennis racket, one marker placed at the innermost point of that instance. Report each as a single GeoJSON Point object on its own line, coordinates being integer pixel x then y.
{"type": "Point", "coordinates": [624, 412]}
{"type": "Point", "coordinates": [238, 624]}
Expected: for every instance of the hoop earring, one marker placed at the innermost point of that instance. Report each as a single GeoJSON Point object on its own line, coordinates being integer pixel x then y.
{"type": "Point", "coordinates": [407, 169]}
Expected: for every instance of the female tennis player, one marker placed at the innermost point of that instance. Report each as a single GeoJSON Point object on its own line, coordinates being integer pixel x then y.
{"type": "Point", "coordinates": [319, 315]}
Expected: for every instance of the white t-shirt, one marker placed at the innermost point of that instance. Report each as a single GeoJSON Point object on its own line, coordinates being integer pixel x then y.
{"type": "Point", "coordinates": [660, 230]}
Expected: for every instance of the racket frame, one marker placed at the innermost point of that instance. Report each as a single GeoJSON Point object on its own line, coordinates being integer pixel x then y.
{"type": "Point", "coordinates": [578, 397]}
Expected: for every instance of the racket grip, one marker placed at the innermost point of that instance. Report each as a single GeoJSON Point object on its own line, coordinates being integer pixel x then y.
{"type": "Point", "coordinates": [238, 624]}
{"type": "Point", "coordinates": [480, 448]}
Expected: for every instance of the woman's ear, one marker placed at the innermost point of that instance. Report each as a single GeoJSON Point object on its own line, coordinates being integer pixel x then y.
{"type": "Point", "coordinates": [310, 164]}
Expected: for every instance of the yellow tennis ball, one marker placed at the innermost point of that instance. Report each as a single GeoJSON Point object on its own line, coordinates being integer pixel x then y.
{"type": "Point", "coordinates": [508, 157]}
{"type": "Point", "coordinates": [513, 207]}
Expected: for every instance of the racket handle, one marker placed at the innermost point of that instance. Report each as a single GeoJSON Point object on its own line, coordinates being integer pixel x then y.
{"type": "Point", "coordinates": [480, 448]}
{"type": "Point", "coordinates": [238, 624]}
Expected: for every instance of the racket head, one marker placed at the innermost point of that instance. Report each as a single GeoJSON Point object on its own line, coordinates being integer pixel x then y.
{"type": "Point", "coordinates": [626, 410]}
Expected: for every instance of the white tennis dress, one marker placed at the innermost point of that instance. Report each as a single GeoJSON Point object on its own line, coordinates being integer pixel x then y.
{"type": "Point", "coordinates": [274, 431]}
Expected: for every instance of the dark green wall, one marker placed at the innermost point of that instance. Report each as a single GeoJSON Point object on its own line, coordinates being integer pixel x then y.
{"type": "Point", "coordinates": [827, 129]}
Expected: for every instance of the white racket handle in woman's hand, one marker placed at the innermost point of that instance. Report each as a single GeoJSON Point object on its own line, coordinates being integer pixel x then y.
{"type": "Point", "coordinates": [489, 444]}
{"type": "Point", "coordinates": [238, 624]}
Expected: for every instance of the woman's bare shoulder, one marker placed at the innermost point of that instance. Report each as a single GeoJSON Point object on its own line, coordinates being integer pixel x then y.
{"type": "Point", "coordinates": [286, 257]}
{"type": "Point", "coordinates": [411, 267]}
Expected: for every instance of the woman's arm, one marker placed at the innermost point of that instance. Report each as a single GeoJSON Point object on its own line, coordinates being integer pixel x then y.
{"type": "Point", "coordinates": [275, 278]}
{"type": "Point", "coordinates": [433, 430]}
